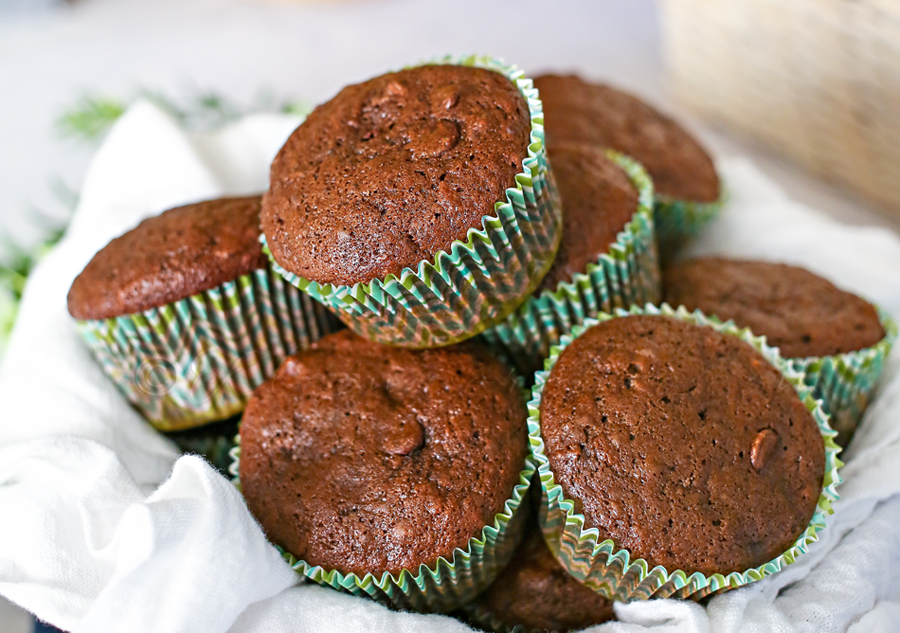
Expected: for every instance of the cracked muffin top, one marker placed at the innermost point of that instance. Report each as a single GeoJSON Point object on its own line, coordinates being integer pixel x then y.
{"type": "Point", "coordinates": [393, 170]}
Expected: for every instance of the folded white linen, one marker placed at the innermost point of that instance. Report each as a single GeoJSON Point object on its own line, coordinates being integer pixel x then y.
{"type": "Point", "coordinates": [101, 529]}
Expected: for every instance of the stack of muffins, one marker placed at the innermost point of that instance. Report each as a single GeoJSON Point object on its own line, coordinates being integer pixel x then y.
{"type": "Point", "coordinates": [477, 237]}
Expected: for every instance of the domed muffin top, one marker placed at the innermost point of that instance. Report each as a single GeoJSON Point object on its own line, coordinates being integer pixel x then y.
{"type": "Point", "coordinates": [598, 201]}
{"type": "Point", "coordinates": [366, 459]}
{"type": "Point", "coordinates": [393, 170]}
{"type": "Point", "coordinates": [681, 444]}
{"type": "Point", "coordinates": [535, 592]}
{"type": "Point", "coordinates": [169, 257]}
{"type": "Point", "coordinates": [798, 312]}
{"type": "Point", "coordinates": [577, 110]}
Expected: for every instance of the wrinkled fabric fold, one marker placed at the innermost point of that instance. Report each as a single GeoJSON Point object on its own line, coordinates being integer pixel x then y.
{"type": "Point", "coordinates": [101, 529]}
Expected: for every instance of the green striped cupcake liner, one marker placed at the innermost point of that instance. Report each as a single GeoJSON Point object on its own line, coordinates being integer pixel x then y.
{"type": "Point", "coordinates": [444, 585]}
{"type": "Point", "coordinates": [611, 570]}
{"type": "Point", "coordinates": [845, 381]}
{"type": "Point", "coordinates": [197, 360]}
{"type": "Point", "coordinates": [475, 283]}
{"type": "Point", "coordinates": [678, 221]}
{"type": "Point", "coordinates": [627, 274]}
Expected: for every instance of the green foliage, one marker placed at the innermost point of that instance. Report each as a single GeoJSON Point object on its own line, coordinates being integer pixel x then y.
{"type": "Point", "coordinates": [15, 267]}
{"type": "Point", "coordinates": [89, 118]}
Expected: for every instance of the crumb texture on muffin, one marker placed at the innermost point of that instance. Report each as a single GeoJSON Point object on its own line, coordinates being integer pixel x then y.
{"type": "Point", "coordinates": [798, 312]}
{"type": "Point", "coordinates": [394, 170]}
{"type": "Point", "coordinates": [535, 592]}
{"type": "Point", "coordinates": [577, 110]}
{"type": "Point", "coordinates": [366, 459]}
{"type": "Point", "coordinates": [170, 257]}
{"type": "Point", "coordinates": [598, 201]}
{"type": "Point", "coordinates": [681, 444]}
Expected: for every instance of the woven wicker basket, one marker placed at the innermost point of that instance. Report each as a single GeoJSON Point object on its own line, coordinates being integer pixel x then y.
{"type": "Point", "coordinates": [816, 79]}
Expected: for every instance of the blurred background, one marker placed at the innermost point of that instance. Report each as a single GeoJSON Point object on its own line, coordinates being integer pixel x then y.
{"type": "Point", "coordinates": [808, 89]}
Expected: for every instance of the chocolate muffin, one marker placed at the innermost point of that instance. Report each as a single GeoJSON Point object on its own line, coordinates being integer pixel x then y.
{"type": "Point", "coordinates": [393, 170]}
{"type": "Point", "coordinates": [681, 444]}
{"type": "Point", "coordinates": [576, 110]}
{"type": "Point", "coordinates": [370, 459]}
{"type": "Point", "coordinates": [598, 199]}
{"type": "Point", "coordinates": [170, 257]}
{"type": "Point", "coordinates": [798, 312]}
{"type": "Point", "coordinates": [534, 592]}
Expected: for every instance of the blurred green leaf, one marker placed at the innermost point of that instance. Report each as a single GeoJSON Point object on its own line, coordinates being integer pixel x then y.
{"type": "Point", "coordinates": [90, 118]}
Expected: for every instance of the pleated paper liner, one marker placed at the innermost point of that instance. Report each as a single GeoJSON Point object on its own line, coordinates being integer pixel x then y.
{"type": "Point", "coordinates": [475, 283]}
{"type": "Point", "coordinates": [444, 585]}
{"type": "Point", "coordinates": [678, 221]}
{"type": "Point", "coordinates": [845, 381]}
{"type": "Point", "coordinates": [198, 360]}
{"type": "Point", "coordinates": [627, 274]}
{"type": "Point", "coordinates": [612, 571]}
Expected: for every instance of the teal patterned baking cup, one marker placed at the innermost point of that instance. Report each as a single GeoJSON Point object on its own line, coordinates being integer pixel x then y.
{"type": "Point", "coordinates": [476, 283]}
{"type": "Point", "coordinates": [611, 570]}
{"type": "Point", "coordinates": [627, 274]}
{"type": "Point", "coordinates": [845, 381]}
{"type": "Point", "coordinates": [197, 360]}
{"type": "Point", "coordinates": [444, 585]}
{"type": "Point", "coordinates": [678, 221]}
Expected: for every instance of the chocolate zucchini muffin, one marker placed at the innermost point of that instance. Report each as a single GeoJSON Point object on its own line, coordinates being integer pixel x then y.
{"type": "Point", "coordinates": [576, 110]}
{"type": "Point", "coordinates": [169, 257]}
{"type": "Point", "coordinates": [184, 314]}
{"type": "Point", "coordinates": [599, 200]}
{"type": "Point", "coordinates": [368, 459]}
{"type": "Point", "coordinates": [798, 312]}
{"type": "Point", "coordinates": [393, 170]}
{"type": "Point", "coordinates": [681, 444]}
{"type": "Point", "coordinates": [534, 592]}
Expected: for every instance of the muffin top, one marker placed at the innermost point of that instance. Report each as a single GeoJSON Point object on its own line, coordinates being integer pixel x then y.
{"type": "Point", "coordinates": [170, 257]}
{"type": "Point", "coordinates": [598, 201]}
{"type": "Point", "coordinates": [681, 444]}
{"type": "Point", "coordinates": [798, 312]}
{"type": "Point", "coordinates": [576, 110]}
{"type": "Point", "coordinates": [535, 592]}
{"type": "Point", "coordinates": [393, 170]}
{"type": "Point", "coordinates": [367, 459]}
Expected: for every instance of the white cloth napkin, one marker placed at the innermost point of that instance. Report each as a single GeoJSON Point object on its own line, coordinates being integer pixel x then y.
{"type": "Point", "coordinates": [101, 529]}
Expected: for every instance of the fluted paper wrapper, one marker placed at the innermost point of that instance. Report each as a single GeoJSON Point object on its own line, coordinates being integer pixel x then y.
{"type": "Point", "coordinates": [610, 570]}
{"type": "Point", "coordinates": [198, 360]}
{"type": "Point", "coordinates": [845, 381]}
{"type": "Point", "coordinates": [445, 584]}
{"type": "Point", "coordinates": [678, 221]}
{"type": "Point", "coordinates": [476, 282]}
{"type": "Point", "coordinates": [628, 273]}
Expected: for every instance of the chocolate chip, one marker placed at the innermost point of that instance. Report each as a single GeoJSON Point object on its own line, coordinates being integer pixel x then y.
{"type": "Point", "coordinates": [435, 139]}
{"type": "Point", "coordinates": [763, 445]}
{"type": "Point", "coordinates": [405, 439]}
